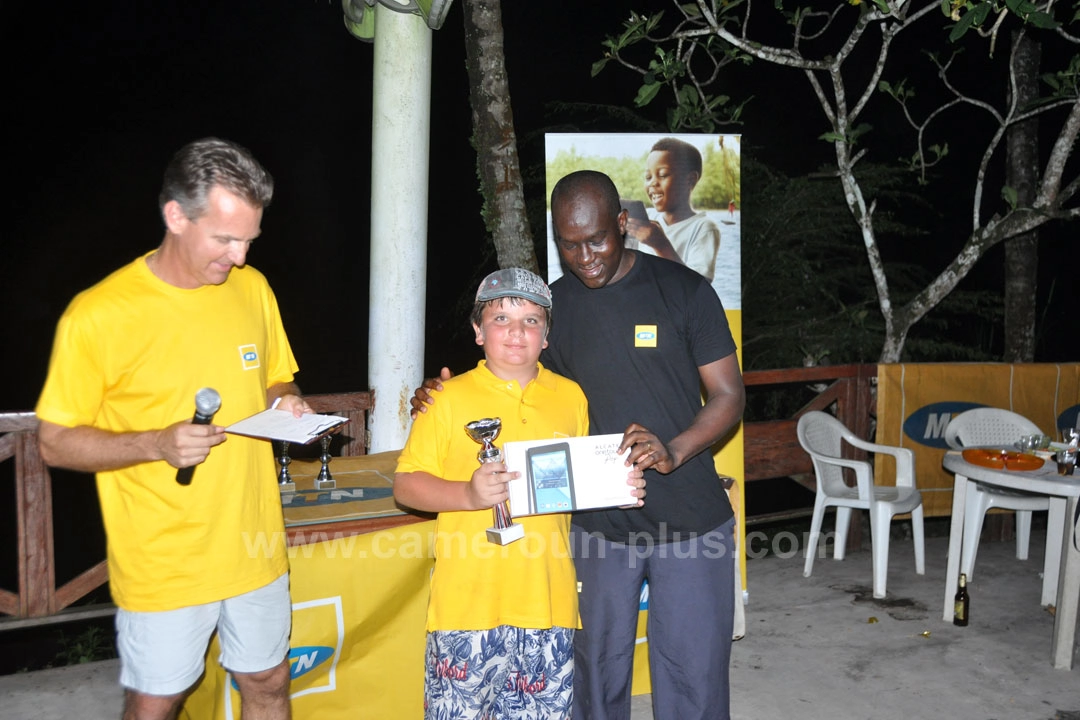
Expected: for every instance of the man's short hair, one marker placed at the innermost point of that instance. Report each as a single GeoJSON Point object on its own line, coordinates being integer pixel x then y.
{"type": "Point", "coordinates": [201, 165]}
{"type": "Point", "coordinates": [587, 182]}
{"type": "Point", "coordinates": [686, 155]}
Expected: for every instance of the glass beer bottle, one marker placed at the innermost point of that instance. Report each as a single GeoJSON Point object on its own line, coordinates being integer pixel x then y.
{"type": "Point", "coordinates": [960, 603]}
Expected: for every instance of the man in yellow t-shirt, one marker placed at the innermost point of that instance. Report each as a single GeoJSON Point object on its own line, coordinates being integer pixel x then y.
{"type": "Point", "coordinates": [129, 356]}
{"type": "Point", "coordinates": [501, 619]}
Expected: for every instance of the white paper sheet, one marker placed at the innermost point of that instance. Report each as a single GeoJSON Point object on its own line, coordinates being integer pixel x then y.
{"type": "Point", "coordinates": [283, 425]}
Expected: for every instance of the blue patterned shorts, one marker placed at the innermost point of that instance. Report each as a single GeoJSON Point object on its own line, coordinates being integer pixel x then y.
{"type": "Point", "coordinates": [498, 674]}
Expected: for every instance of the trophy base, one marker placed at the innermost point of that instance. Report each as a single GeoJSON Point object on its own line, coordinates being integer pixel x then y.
{"type": "Point", "coordinates": [287, 487]}
{"type": "Point", "coordinates": [330, 484]}
{"type": "Point", "coordinates": [506, 535]}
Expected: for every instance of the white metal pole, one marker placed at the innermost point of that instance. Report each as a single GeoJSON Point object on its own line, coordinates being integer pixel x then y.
{"type": "Point", "coordinates": [399, 200]}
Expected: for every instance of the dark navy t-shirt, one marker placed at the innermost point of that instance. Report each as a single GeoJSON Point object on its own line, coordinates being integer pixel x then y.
{"type": "Point", "coordinates": [635, 347]}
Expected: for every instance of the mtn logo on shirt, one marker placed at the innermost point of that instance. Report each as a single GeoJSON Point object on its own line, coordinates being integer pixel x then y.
{"type": "Point", "coordinates": [644, 336]}
{"type": "Point", "coordinates": [249, 357]}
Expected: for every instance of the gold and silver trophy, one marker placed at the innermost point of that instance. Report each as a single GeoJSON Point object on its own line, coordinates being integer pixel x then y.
{"type": "Point", "coordinates": [505, 530]}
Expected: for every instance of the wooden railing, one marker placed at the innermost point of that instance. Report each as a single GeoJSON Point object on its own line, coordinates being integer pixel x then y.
{"type": "Point", "coordinates": [38, 595]}
{"type": "Point", "coordinates": [353, 405]}
{"type": "Point", "coordinates": [771, 448]}
{"type": "Point", "coordinates": [771, 451]}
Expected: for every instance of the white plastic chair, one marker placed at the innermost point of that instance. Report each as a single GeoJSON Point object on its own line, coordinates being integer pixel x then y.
{"type": "Point", "coordinates": [999, 428]}
{"type": "Point", "coordinates": [822, 436]}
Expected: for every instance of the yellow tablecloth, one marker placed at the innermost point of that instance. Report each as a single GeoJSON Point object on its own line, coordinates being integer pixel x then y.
{"type": "Point", "coordinates": [359, 584]}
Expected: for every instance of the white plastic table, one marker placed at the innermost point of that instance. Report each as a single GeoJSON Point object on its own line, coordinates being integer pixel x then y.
{"type": "Point", "coordinates": [1062, 567]}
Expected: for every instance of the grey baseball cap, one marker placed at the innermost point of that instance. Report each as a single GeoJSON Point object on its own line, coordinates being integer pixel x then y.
{"type": "Point", "coordinates": [514, 282]}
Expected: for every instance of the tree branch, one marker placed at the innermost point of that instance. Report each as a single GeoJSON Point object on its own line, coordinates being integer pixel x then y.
{"type": "Point", "coordinates": [1048, 194]}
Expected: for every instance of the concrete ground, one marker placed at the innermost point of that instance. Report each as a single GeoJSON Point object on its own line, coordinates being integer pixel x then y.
{"type": "Point", "coordinates": [817, 648]}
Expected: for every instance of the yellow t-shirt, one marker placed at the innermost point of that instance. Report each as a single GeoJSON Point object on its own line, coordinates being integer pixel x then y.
{"type": "Point", "coordinates": [129, 355]}
{"type": "Point", "coordinates": [476, 584]}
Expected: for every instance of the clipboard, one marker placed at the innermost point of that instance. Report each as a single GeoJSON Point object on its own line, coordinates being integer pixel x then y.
{"type": "Point", "coordinates": [283, 425]}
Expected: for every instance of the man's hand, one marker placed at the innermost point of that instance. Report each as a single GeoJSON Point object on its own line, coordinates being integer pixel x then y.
{"type": "Point", "coordinates": [286, 396]}
{"type": "Point", "coordinates": [490, 485]}
{"type": "Point", "coordinates": [90, 449]}
{"type": "Point", "coordinates": [646, 450]}
{"type": "Point", "coordinates": [422, 396]}
{"type": "Point", "coordinates": [294, 404]}
{"type": "Point", "coordinates": [725, 400]}
{"type": "Point", "coordinates": [184, 444]}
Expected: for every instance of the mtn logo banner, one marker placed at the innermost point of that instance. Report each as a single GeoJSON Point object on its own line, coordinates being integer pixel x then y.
{"type": "Point", "coordinates": [926, 425]}
{"type": "Point", "coordinates": [916, 401]}
{"type": "Point", "coordinates": [303, 660]}
{"type": "Point", "coordinates": [358, 618]}
{"type": "Point", "coordinates": [312, 664]}
{"type": "Point", "coordinates": [312, 667]}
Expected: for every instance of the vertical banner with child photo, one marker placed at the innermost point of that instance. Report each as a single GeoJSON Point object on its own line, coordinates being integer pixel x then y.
{"type": "Point", "coordinates": [681, 194]}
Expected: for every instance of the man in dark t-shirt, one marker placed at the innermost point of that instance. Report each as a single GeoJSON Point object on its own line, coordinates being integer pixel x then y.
{"type": "Point", "coordinates": [649, 332]}
{"type": "Point", "coordinates": [643, 336]}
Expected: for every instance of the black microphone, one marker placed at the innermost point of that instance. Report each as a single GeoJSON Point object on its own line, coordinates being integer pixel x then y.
{"type": "Point", "coordinates": [207, 402]}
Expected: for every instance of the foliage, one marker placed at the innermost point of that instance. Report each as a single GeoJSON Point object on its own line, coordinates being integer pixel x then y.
{"type": "Point", "coordinates": [807, 297]}
{"type": "Point", "coordinates": [89, 645]}
{"type": "Point", "coordinates": [693, 109]}
{"type": "Point", "coordinates": [974, 14]}
{"type": "Point", "coordinates": [802, 303]}
{"type": "Point", "coordinates": [850, 55]}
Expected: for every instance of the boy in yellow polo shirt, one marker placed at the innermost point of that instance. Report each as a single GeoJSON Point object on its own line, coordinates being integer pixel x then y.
{"type": "Point", "coordinates": [501, 619]}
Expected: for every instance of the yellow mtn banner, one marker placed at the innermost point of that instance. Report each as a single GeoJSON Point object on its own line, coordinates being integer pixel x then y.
{"type": "Point", "coordinates": [357, 644]}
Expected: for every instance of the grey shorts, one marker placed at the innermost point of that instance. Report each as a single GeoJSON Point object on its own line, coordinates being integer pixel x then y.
{"type": "Point", "coordinates": [162, 653]}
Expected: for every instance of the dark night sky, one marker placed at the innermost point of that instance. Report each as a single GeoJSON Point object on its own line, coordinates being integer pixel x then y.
{"type": "Point", "coordinates": [97, 102]}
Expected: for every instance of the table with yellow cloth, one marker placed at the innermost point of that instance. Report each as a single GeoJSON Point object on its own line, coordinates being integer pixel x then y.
{"type": "Point", "coordinates": [359, 583]}
{"type": "Point", "coordinates": [359, 570]}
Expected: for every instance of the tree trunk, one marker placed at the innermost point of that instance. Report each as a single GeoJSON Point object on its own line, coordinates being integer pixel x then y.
{"type": "Point", "coordinates": [1022, 174]}
{"type": "Point", "coordinates": [494, 137]}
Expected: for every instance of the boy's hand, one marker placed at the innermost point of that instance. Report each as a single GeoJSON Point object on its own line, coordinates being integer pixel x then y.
{"type": "Point", "coordinates": [422, 396]}
{"type": "Point", "coordinates": [636, 479]}
{"type": "Point", "coordinates": [651, 234]}
{"type": "Point", "coordinates": [489, 485]}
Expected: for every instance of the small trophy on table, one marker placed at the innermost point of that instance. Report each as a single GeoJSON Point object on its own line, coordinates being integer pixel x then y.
{"type": "Point", "coordinates": [285, 481]}
{"type": "Point", "coordinates": [324, 480]}
{"type": "Point", "coordinates": [484, 432]}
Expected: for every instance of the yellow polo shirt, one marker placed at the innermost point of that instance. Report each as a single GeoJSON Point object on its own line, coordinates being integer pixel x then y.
{"type": "Point", "coordinates": [476, 584]}
{"type": "Point", "coordinates": [129, 355]}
